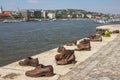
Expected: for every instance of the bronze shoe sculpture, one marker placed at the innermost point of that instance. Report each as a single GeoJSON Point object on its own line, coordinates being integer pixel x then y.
{"type": "Point", "coordinates": [115, 31]}
{"type": "Point", "coordinates": [29, 62]}
{"type": "Point", "coordinates": [84, 45]}
{"type": "Point", "coordinates": [61, 49]}
{"type": "Point", "coordinates": [40, 71]}
{"type": "Point", "coordinates": [101, 31]}
{"type": "Point", "coordinates": [67, 57]}
{"type": "Point", "coordinates": [74, 42]}
{"type": "Point", "coordinates": [96, 37]}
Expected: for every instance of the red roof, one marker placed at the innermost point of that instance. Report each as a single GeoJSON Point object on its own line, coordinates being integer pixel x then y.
{"type": "Point", "coordinates": [6, 13]}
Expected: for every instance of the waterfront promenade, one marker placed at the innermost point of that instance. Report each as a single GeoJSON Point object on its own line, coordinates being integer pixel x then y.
{"type": "Point", "coordinates": [101, 63]}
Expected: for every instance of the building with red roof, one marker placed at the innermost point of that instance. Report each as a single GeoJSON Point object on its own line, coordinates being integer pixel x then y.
{"type": "Point", "coordinates": [4, 13]}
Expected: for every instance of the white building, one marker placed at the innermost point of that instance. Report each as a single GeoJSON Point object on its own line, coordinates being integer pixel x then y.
{"type": "Point", "coordinates": [89, 15]}
{"type": "Point", "coordinates": [1, 9]}
{"type": "Point", "coordinates": [43, 14]}
{"type": "Point", "coordinates": [51, 15]}
{"type": "Point", "coordinates": [25, 14]}
{"type": "Point", "coordinates": [69, 16]}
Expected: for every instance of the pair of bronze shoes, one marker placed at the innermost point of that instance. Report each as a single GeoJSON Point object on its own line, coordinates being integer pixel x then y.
{"type": "Point", "coordinates": [101, 31]}
{"type": "Point", "coordinates": [115, 31]}
{"type": "Point", "coordinates": [72, 43]}
{"type": "Point", "coordinates": [84, 45]}
{"type": "Point", "coordinates": [39, 71]}
{"type": "Point", "coordinates": [65, 56]}
{"type": "Point", "coordinates": [96, 37]}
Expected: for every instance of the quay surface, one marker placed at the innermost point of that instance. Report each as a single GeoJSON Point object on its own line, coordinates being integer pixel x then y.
{"type": "Point", "coordinates": [101, 63]}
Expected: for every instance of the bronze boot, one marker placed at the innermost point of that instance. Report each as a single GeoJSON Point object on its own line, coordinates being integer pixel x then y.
{"type": "Point", "coordinates": [72, 43]}
{"type": "Point", "coordinates": [40, 71]}
{"type": "Point", "coordinates": [69, 44]}
{"type": "Point", "coordinates": [96, 37]}
{"type": "Point", "coordinates": [84, 45]}
{"type": "Point", "coordinates": [59, 59]}
{"type": "Point", "coordinates": [29, 62]}
{"type": "Point", "coordinates": [69, 56]}
{"type": "Point", "coordinates": [62, 62]}
{"type": "Point", "coordinates": [66, 58]}
{"type": "Point", "coordinates": [61, 49]}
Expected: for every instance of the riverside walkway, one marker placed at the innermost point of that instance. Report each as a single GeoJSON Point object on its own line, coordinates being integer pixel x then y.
{"type": "Point", "coordinates": [104, 65]}
{"type": "Point", "coordinates": [101, 63]}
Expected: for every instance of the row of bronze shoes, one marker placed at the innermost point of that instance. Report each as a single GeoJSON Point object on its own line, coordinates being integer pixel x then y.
{"type": "Point", "coordinates": [102, 31]}
{"type": "Point", "coordinates": [64, 57]}
{"type": "Point", "coordinates": [68, 57]}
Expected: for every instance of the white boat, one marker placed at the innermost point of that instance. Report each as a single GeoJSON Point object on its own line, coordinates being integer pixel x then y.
{"type": "Point", "coordinates": [11, 21]}
{"type": "Point", "coordinates": [103, 21]}
{"type": "Point", "coordinates": [37, 19]}
{"type": "Point", "coordinates": [52, 19]}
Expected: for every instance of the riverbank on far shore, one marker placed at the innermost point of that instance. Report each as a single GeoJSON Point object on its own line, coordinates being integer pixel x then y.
{"type": "Point", "coordinates": [48, 58]}
{"type": "Point", "coordinates": [38, 20]}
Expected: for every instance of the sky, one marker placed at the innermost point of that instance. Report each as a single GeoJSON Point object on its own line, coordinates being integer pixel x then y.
{"type": "Point", "coordinates": [103, 6]}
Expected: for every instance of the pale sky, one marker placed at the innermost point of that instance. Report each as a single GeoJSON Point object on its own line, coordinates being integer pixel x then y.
{"type": "Point", "coordinates": [104, 6]}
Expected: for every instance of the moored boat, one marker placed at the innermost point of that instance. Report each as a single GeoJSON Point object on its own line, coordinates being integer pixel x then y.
{"type": "Point", "coordinates": [10, 21]}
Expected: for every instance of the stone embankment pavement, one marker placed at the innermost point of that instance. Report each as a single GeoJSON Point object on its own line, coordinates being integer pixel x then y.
{"type": "Point", "coordinates": [104, 65]}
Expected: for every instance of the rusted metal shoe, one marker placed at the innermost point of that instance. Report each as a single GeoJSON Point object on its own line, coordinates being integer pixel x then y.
{"type": "Point", "coordinates": [84, 45]}
{"type": "Point", "coordinates": [96, 37]}
{"type": "Point", "coordinates": [115, 31]}
{"type": "Point", "coordinates": [101, 31]}
{"type": "Point", "coordinates": [29, 62]}
{"type": "Point", "coordinates": [40, 71]}
{"type": "Point", "coordinates": [61, 49]}
{"type": "Point", "coordinates": [72, 43]}
{"type": "Point", "coordinates": [67, 57]}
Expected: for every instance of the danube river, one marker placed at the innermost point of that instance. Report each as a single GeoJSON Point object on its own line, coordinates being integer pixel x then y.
{"type": "Point", "coordinates": [20, 40]}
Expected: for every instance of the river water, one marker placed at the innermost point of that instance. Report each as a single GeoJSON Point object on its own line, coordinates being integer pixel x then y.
{"type": "Point", "coordinates": [20, 40]}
